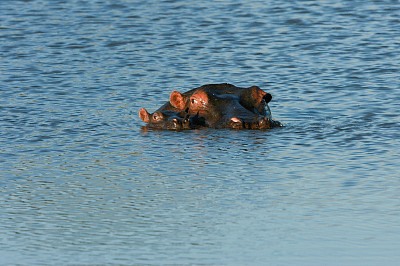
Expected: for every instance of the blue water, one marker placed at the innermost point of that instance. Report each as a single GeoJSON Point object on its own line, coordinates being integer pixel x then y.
{"type": "Point", "coordinates": [82, 182]}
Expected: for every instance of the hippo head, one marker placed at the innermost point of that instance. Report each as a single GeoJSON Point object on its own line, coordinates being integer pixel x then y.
{"type": "Point", "coordinates": [166, 119]}
{"type": "Point", "coordinates": [226, 110]}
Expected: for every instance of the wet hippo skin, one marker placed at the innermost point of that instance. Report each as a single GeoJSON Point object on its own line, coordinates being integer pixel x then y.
{"type": "Point", "coordinates": [215, 106]}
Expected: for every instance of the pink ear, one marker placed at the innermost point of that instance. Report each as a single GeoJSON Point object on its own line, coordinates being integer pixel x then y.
{"type": "Point", "coordinates": [144, 115]}
{"type": "Point", "coordinates": [177, 100]}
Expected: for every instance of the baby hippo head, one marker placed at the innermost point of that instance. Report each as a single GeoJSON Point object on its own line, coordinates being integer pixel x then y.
{"type": "Point", "coordinates": [165, 119]}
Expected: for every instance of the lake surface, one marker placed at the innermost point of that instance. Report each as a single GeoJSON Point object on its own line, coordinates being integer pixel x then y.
{"type": "Point", "coordinates": [83, 182]}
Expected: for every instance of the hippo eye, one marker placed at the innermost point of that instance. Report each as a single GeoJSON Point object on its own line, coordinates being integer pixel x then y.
{"type": "Point", "coordinates": [192, 101]}
{"type": "Point", "coordinates": [156, 117]}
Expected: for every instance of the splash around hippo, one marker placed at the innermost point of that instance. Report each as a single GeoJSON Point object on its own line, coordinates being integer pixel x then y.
{"type": "Point", "coordinates": [214, 106]}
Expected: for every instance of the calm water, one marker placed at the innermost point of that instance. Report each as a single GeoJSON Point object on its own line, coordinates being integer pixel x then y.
{"type": "Point", "coordinates": [83, 183]}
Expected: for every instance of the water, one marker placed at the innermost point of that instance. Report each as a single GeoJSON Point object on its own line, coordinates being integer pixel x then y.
{"type": "Point", "coordinates": [82, 182]}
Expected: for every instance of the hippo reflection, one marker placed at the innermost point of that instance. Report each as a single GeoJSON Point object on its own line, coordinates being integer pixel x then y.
{"type": "Point", "coordinates": [215, 106]}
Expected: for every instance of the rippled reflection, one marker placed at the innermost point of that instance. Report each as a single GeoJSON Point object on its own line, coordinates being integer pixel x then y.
{"type": "Point", "coordinates": [84, 182]}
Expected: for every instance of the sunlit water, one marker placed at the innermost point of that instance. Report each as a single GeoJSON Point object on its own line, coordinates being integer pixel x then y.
{"type": "Point", "coordinates": [82, 182]}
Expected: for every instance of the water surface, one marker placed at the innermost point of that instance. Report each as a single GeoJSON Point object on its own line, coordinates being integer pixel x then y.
{"type": "Point", "coordinates": [82, 182]}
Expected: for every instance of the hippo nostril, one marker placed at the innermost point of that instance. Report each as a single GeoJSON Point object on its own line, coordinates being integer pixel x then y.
{"type": "Point", "coordinates": [176, 124]}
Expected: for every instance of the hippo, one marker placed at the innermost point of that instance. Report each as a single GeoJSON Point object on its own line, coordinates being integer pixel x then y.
{"type": "Point", "coordinates": [215, 106]}
{"type": "Point", "coordinates": [227, 110]}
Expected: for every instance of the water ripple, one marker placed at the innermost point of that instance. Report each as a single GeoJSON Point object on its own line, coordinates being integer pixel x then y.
{"type": "Point", "coordinates": [81, 173]}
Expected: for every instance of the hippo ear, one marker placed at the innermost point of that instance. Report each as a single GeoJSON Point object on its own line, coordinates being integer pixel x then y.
{"type": "Point", "coordinates": [267, 97]}
{"type": "Point", "coordinates": [144, 115]}
{"type": "Point", "coordinates": [177, 100]}
{"type": "Point", "coordinates": [257, 94]}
